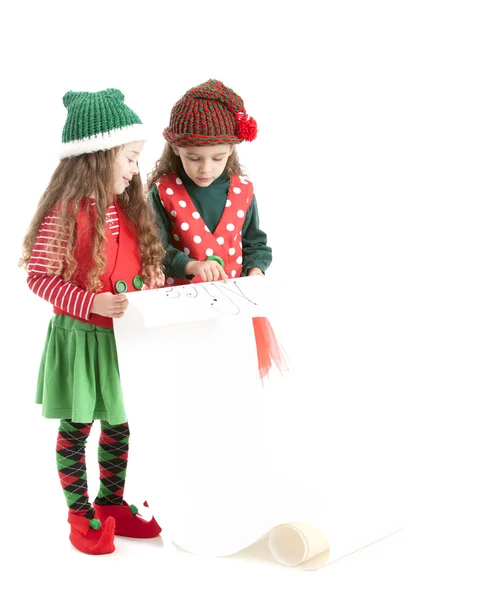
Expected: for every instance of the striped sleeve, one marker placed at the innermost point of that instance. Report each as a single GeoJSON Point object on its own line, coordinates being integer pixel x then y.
{"type": "Point", "coordinates": [52, 288]}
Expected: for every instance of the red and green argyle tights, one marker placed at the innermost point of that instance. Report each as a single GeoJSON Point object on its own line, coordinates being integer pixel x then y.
{"type": "Point", "coordinates": [112, 458]}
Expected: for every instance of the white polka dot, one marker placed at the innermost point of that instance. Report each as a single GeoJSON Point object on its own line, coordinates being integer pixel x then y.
{"type": "Point", "coordinates": [173, 213]}
{"type": "Point", "coordinates": [196, 215]}
{"type": "Point", "coordinates": [241, 245]}
{"type": "Point", "coordinates": [162, 203]}
{"type": "Point", "coordinates": [247, 200]}
{"type": "Point", "coordinates": [233, 273]}
{"type": "Point", "coordinates": [182, 203]}
{"type": "Point", "coordinates": [230, 227]}
{"type": "Point", "coordinates": [243, 179]}
{"type": "Point", "coordinates": [170, 280]}
{"type": "Point", "coordinates": [239, 260]}
{"type": "Point", "coordinates": [185, 226]}
{"type": "Point", "coordinates": [186, 251]}
{"type": "Point", "coordinates": [232, 251]}
{"type": "Point", "coordinates": [220, 241]}
{"type": "Point", "coordinates": [178, 181]}
{"type": "Point", "coordinates": [240, 214]}
{"type": "Point", "coordinates": [197, 239]}
{"type": "Point", "coordinates": [169, 191]}
{"type": "Point", "coordinates": [206, 228]}
{"type": "Point", "coordinates": [228, 203]}
{"type": "Point", "coordinates": [235, 237]}
{"type": "Point", "coordinates": [237, 190]}
{"type": "Point", "coordinates": [177, 237]}
{"type": "Point", "coordinates": [209, 251]}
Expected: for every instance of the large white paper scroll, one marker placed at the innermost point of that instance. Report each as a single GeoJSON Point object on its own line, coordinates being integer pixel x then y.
{"type": "Point", "coordinates": [217, 457]}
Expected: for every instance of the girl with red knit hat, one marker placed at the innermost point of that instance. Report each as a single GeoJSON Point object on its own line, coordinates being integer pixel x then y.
{"type": "Point", "coordinates": [205, 206]}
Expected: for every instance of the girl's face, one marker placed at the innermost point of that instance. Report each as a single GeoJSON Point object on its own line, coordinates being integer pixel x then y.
{"type": "Point", "coordinates": [126, 165]}
{"type": "Point", "coordinates": [204, 164]}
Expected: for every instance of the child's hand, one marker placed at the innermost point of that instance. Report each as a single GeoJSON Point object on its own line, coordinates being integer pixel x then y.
{"type": "Point", "coordinates": [107, 304]}
{"type": "Point", "coordinates": [255, 271]}
{"type": "Point", "coordinates": [155, 278]}
{"type": "Point", "coordinates": [208, 270]}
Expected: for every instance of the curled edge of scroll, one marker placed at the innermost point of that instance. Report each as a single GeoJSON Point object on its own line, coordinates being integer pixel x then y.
{"type": "Point", "coordinates": [294, 544]}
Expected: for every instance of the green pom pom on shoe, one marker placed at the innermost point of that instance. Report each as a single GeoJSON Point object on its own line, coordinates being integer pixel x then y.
{"type": "Point", "coordinates": [134, 510]}
{"type": "Point", "coordinates": [95, 523]}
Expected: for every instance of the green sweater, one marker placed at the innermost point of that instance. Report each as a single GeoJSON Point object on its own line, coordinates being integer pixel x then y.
{"type": "Point", "coordinates": [210, 203]}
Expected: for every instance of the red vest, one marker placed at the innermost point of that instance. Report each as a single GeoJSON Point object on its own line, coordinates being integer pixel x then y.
{"type": "Point", "coordinates": [190, 234]}
{"type": "Point", "coordinates": [123, 260]}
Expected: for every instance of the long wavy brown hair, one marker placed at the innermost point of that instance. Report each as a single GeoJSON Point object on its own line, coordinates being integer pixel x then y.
{"type": "Point", "coordinates": [91, 176]}
{"type": "Point", "coordinates": [169, 162]}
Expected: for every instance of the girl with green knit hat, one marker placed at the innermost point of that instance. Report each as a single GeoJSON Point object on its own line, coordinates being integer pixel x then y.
{"type": "Point", "coordinates": [205, 206]}
{"type": "Point", "coordinates": [92, 238]}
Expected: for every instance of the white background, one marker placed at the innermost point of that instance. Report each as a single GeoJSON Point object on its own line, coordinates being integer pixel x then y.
{"type": "Point", "coordinates": [365, 170]}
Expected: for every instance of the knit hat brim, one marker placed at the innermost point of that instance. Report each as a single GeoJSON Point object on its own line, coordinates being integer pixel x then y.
{"type": "Point", "coordinates": [104, 141]}
{"type": "Point", "coordinates": [184, 140]}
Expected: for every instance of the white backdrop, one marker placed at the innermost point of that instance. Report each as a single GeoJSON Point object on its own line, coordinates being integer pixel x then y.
{"type": "Point", "coordinates": [365, 171]}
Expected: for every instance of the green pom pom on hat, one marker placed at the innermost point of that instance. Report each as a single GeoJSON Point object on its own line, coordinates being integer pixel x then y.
{"type": "Point", "coordinates": [98, 121]}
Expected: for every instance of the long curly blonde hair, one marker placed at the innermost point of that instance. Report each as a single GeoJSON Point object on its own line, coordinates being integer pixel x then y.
{"type": "Point", "coordinates": [169, 162]}
{"type": "Point", "coordinates": [86, 176]}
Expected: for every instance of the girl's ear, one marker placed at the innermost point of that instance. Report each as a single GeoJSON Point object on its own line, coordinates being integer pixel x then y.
{"type": "Point", "coordinates": [231, 150]}
{"type": "Point", "coordinates": [175, 150]}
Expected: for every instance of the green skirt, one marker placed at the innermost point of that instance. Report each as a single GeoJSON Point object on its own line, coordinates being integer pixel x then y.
{"type": "Point", "coordinates": [79, 377]}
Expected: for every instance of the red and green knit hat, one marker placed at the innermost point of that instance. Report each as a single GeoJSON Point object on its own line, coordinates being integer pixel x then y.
{"type": "Point", "coordinates": [208, 115]}
{"type": "Point", "coordinates": [98, 121]}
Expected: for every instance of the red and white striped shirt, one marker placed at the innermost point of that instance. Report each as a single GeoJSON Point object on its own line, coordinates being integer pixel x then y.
{"type": "Point", "coordinates": [66, 296]}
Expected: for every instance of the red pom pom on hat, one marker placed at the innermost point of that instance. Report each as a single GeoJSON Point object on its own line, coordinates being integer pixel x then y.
{"type": "Point", "coordinates": [247, 127]}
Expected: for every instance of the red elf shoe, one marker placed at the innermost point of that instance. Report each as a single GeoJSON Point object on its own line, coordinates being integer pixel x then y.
{"type": "Point", "coordinates": [128, 521]}
{"type": "Point", "coordinates": [92, 536]}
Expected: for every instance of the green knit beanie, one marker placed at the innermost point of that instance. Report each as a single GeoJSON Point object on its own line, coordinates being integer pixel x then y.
{"type": "Point", "coordinates": [98, 121]}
